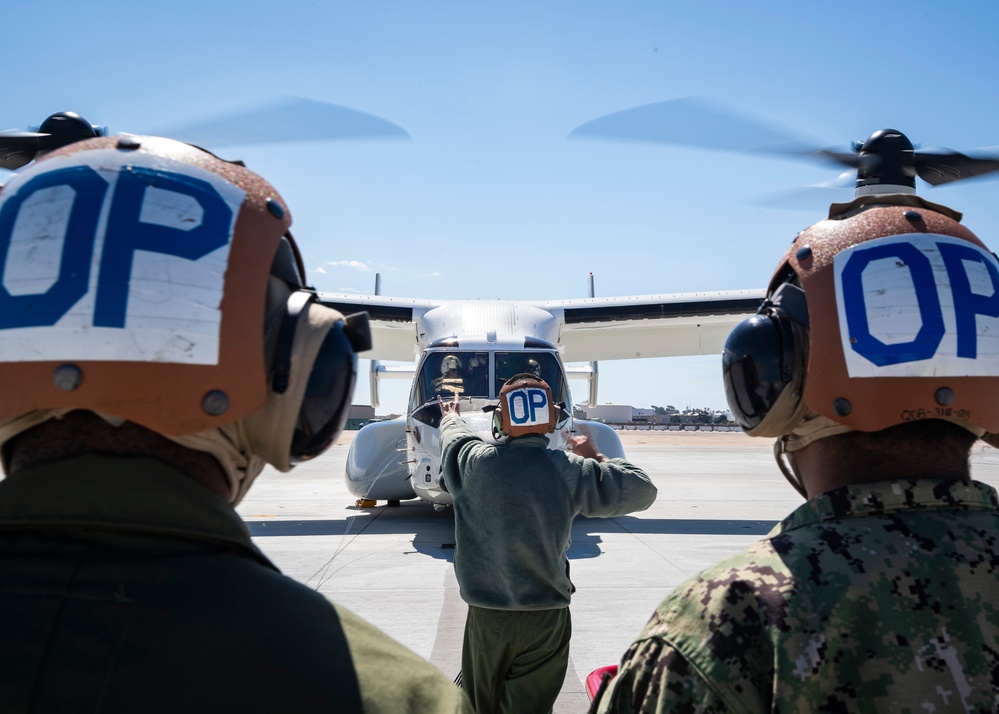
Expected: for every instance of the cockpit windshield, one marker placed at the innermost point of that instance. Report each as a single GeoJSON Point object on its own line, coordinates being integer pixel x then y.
{"type": "Point", "coordinates": [541, 364]}
{"type": "Point", "coordinates": [469, 374]}
{"type": "Point", "coordinates": [445, 374]}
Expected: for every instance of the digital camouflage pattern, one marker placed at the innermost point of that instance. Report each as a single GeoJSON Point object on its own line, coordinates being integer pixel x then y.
{"type": "Point", "coordinates": [875, 598]}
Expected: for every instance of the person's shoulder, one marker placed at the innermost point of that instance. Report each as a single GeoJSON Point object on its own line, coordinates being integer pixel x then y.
{"type": "Point", "coordinates": [392, 677]}
{"type": "Point", "coordinates": [259, 590]}
{"type": "Point", "coordinates": [705, 643]}
{"type": "Point", "coordinates": [732, 588]}
{"type": "Point", "coordinates": [758, 560]}
{"type": "Point", "coordinates": [453, 427]}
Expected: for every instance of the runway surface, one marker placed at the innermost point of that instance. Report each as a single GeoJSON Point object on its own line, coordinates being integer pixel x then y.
{"type": "Point", "coordinates": [718, 492]}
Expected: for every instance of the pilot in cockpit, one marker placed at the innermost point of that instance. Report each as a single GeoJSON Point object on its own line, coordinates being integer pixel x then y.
{"type": "Point", "coordinates": [508, 365]}
{"type": "Point", "coordinates": [450, 381]}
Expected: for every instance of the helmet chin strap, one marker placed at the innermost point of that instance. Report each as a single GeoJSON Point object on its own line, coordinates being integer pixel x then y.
{"type": "Point", "coordinates": [785, 462]}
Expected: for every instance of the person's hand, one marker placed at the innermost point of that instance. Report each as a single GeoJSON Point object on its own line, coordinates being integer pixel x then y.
{"type": "Point", "coordinates": [449, 407]}
{"type": "Point", "coordinates": [581, 446]}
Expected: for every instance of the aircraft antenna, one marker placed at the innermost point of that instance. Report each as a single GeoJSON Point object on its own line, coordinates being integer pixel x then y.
{"type": "Point", "coordinates": [594, 369]}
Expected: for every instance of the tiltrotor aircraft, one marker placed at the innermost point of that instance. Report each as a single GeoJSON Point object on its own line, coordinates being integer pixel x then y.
{"type": "Point", "coordinates": [469, 348]}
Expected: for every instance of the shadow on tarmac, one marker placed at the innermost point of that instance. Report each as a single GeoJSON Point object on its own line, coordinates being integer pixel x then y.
{"type": "Point", "coordinates": [434, 526]}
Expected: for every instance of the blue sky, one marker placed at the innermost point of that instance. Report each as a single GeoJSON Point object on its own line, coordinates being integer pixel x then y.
{"type": "Point", "coordinates": [489, 199]}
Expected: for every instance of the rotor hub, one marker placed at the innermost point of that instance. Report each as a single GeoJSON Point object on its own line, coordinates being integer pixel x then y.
{"type": "Point", "coordinates": [64, 128]}
{"type": "Point", "coordinates": [886, 163]}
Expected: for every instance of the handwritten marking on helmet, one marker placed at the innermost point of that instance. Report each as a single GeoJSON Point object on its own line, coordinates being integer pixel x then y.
{"type": "Point", "coordinates": [935, 413]}
{"type": "Point", "coordinates": [918, 305]}
{"type": "Point", "coordinates": [528, 406]}
{"type": "Point", "coordinates": [126, 259]}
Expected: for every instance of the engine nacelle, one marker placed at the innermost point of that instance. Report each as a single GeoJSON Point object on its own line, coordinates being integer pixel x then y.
{"type": "Point", "coordinates": [378, 462]}
{"type": "Point", "coordinates": [604, 439]}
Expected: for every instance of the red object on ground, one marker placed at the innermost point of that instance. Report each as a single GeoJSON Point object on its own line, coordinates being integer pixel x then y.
{"type": "Point", "coordinates": [594, 678]}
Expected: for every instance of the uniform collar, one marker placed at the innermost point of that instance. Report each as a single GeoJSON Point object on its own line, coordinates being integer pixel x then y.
{"type": "Point", "coordinates": [529, 440]}
{"type": "Point", "coordinates": [893, 496]}
{"type": "Point", "coordinates": [118, 493]}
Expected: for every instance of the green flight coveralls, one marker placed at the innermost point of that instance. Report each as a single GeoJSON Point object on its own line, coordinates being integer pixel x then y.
{"type": "Point", "coordinates": [126, 586]}
{"type": "Point", "coordinates": [513, 508]}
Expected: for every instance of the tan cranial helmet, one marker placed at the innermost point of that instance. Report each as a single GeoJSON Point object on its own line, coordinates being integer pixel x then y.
{"type": "Point", "coordinates": [886, 313]}
{"type": "Point", "coordinates": [448, 363]}
{"type": "Point", "coordinates": [149, 281]}
{"type": "Point", "coordinates": [525, 407]}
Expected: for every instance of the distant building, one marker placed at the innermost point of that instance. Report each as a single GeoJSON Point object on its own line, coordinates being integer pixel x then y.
{"type": "Point", "coordinates": [358, 414]}
{"type": "Point", "coordinates": [607, 413]}
{"type": "Point", "coordinates": [643, 416]}
{"type": "Point", "coordinates": [625, 414]}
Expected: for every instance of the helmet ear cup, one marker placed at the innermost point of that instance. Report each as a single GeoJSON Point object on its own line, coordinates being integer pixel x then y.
{"type": "Point", "coordinates": [764, 362]}
{"type": "Point", "coordinates": [314, 366]}
{"type": "Point", "coordinates": [327, 395]}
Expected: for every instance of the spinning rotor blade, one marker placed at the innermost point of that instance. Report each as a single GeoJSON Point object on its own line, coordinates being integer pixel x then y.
{"type": "Point", "coordinates": [692, 122]}
{"type": "Point", "coordinates": [292, 119]}
{"type": "Point", "coordinates": [940, 166]}
{"type": "Point", "coordinates": [809, 197]}
{"type": "Point", "coordinates": [840, 157]}
{"type": "Point", "coordinates": [935, 166]}
{"type": "Point", "coordinates": [17, 148]}
{"type": "Point", "coordinates": [885, 162]}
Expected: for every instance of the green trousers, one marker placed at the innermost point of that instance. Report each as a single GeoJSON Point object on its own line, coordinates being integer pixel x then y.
{"type": "Point", "coordinates": [514, 661]}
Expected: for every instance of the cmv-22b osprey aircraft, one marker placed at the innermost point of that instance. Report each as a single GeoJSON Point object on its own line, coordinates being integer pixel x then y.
{"type": "Point", "coordinates": [470, 348]}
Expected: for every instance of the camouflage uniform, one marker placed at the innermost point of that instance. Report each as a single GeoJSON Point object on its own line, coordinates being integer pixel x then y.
{"type": "Point", "coordinates": [874, 598]}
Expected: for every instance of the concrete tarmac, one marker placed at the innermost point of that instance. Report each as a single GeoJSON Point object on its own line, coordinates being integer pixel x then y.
{"type": "Point", "coordinates": [718, 492]}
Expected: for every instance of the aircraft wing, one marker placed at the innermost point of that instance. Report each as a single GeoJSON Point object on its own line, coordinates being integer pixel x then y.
{"type": "Point", "coordinates": [590, 329]}
{"type": "Point", "coordinates": [392, 322]}
{"type": "Point", "coordinates": [650, 326]}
